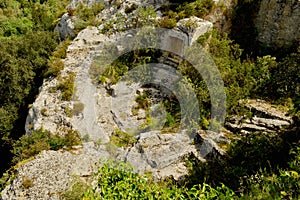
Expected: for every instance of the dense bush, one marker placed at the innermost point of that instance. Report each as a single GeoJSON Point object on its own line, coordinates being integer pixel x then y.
{"type": "Point", "coordinates": [167, 22]}
{"type": "Point", "coordinates": [185, 9]}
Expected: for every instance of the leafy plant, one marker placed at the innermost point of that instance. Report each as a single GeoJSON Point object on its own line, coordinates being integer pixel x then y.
{"type": "Point", "coordinates": [78, 108]}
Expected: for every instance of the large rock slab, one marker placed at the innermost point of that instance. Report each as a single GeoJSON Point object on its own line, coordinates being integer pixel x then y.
{"type": "Point", "coordinates": [266, 118]}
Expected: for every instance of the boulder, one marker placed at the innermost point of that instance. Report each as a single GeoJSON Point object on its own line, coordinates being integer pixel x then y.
{"type": "Point", "coordinates": [65, 27]}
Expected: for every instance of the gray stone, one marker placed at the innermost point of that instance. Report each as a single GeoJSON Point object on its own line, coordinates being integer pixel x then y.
{"type": "Point", "coordinates": [65, 26]}
{"type": "Point", "coordinates": [194, 27]}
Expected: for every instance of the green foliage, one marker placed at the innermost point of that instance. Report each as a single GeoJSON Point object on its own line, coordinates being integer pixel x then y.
{"type": "Point", "coordinates": [170, 121]}
{"type": "Point", "coordinates": [199, 8]}
{"type": "Point", "coordinates": [87, 15]}
{"type": "Point", "coordinates": [143, 101]}
{"type": "Point", "coordinates": [22, 59]}
{"type": "Point", "coordinates": [167, 22]}
{"type": "Point", "coordinates": [54, 67]}
{"type": "Point", "coordinates": [15, 26]}
{"type": "Point", "coordinates": [19, 17]}
{"type": "Point", "coordinates": [61, 49]}
{"type": "Point", "coordinates": [185, 9]}
{"type": "Point", "coordinates": [116, 180]}
{"type": "Point", "coordinates": [144, 17]}
{"type": "Point", "coordinates": [68, 111]}
{"type": "Point", "coordinates": [203, 38]}
{"type": "Point", "coordinates": [122, 139]}
{"type": "Point", "coordinates": [285, 77]}
{"type": "Point", "coordinates": [282, 185]}
{"type": "Point", "coordinates": [30, 145]}
{"type": "Point", "coordinates": [113, 72]}
{"type": "Point", "coordinates": [26, 46]}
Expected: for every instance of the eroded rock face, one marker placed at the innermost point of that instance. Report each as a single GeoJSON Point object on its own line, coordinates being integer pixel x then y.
{"type": "Point", "coordinates": [278, 23]}
{"type": "Point", "coordinates": [165, 154]}
{"type": "Point", "coordinates": [106, 108]}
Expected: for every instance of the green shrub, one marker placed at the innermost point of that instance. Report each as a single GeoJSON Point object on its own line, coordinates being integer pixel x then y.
{"type": "Point", "coordinates": [282, 185]}
{"type": "Point", "coordinates": [77, 189]}
{"type": "Point", "coordinates": [55, 66]}
{"type": "Point", "coordinates": [167, 22]}
{"type": "Point", "coordinates": [66, 87]}
{"type": "Point", "coordinates": [199, 8]}
{"type": "Point", "coordinates": [68, 111]}
{"type": "Point", "coordinates": [116, 180]}
{"type": "Point", "coordinates": [122, 139]}
{"type": "Point", "coordinates": [61, 49]}
{"type": "Point", "coordinates": [87, 15]}
{"type": "Point", "coordinates": [170, 121]}
{"type": "Point", "coordinates": [143, 101]}
{"type": "Point", "coordinates": [30, 145]}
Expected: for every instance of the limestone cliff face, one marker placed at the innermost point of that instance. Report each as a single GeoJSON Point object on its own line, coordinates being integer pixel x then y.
{"type": "Point", "coordinates": [278, 23]}
{"type": "Point", "coordinates": [164, 155]}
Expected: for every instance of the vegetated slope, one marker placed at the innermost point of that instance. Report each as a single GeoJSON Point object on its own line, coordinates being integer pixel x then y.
{"type": "Point", "coordinates": [264, 77]}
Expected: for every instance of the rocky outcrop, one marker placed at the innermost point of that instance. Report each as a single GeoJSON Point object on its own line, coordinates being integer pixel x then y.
{"type": "Point", "coordinates": [106, 107]}
{"type": "Point", "coordinates": [165, 154]}
{"type": "Point", "coordinates": [51, 173]}
{"type": "Point", "coordinates": [278, 24]}
{"type": "Point", "coordinates": [265, 118]}
{"type": "Point", "coordinates": [194, 27]}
